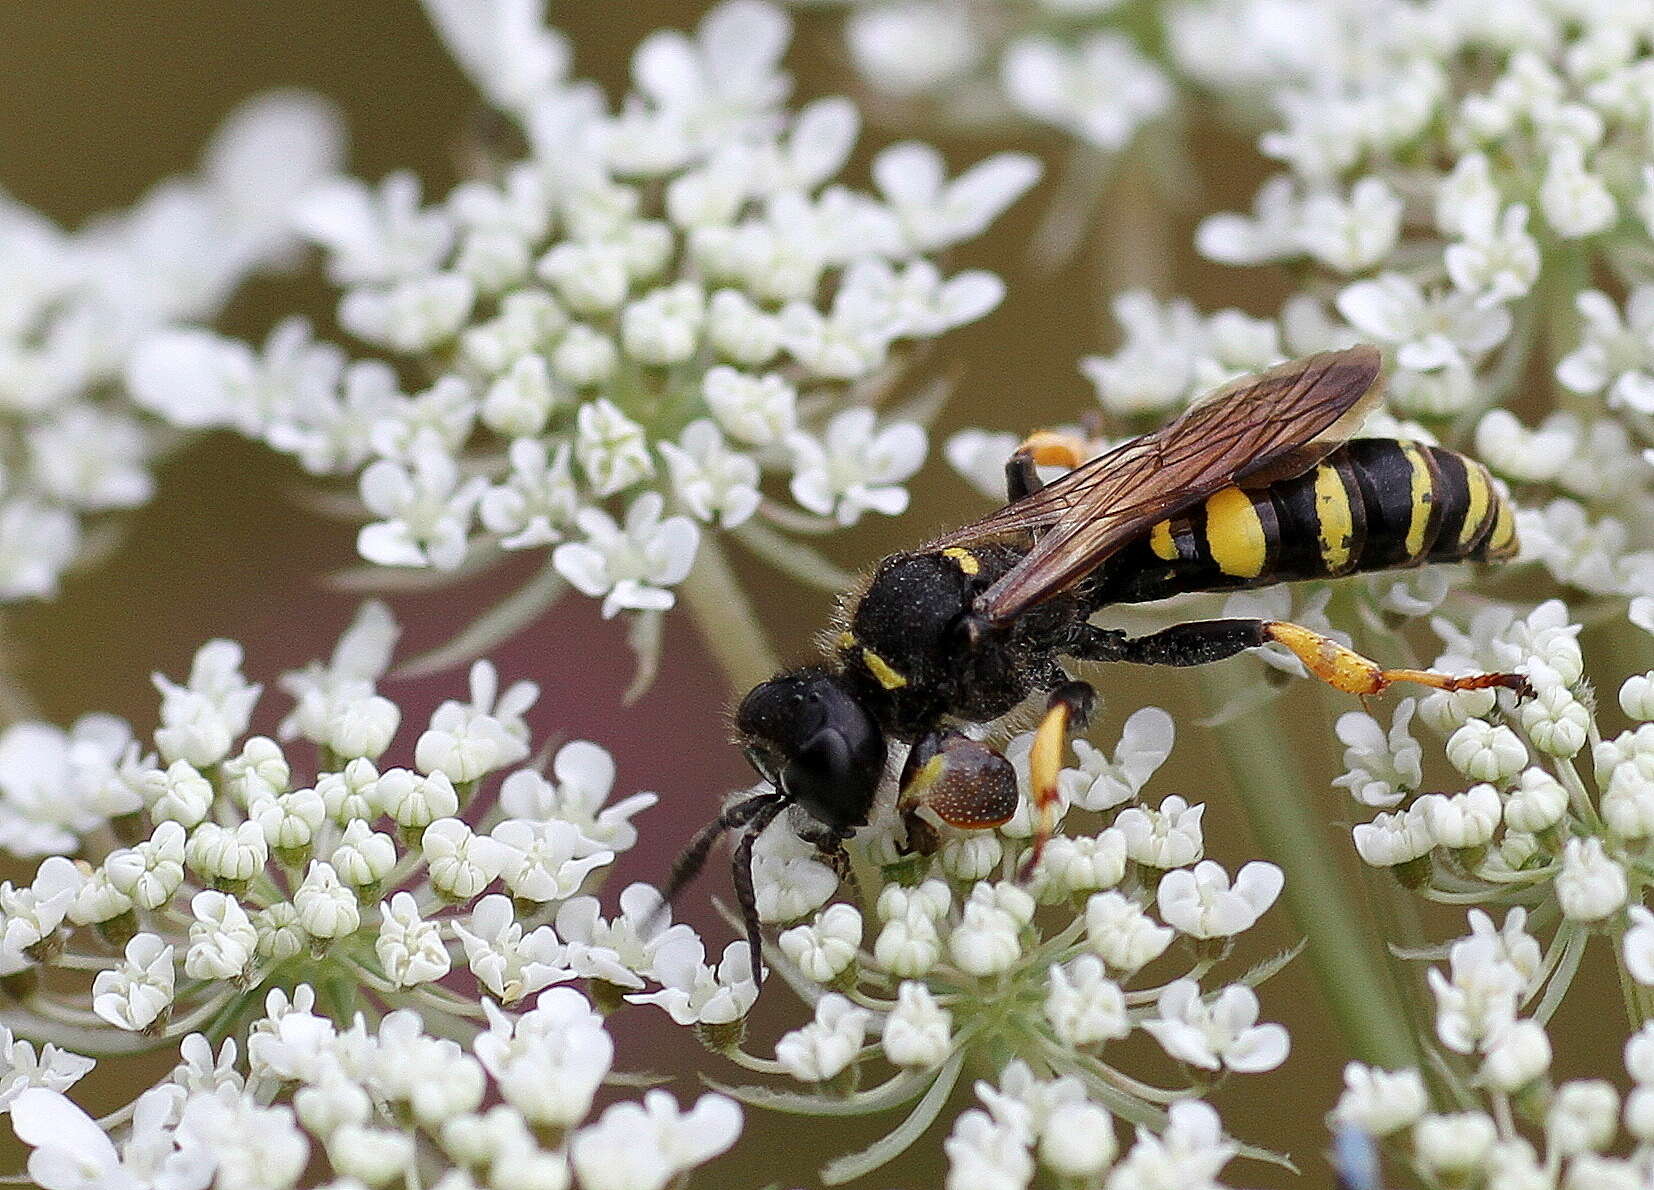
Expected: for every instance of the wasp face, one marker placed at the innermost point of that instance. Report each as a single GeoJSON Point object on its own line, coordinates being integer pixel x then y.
{"type": "Point", "coordinates": [808, 735]}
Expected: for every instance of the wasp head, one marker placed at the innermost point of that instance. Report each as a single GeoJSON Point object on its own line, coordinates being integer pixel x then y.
{"type": "Point", "coordinates": [807, 734]}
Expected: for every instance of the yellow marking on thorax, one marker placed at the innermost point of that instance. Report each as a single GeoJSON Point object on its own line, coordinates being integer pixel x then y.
{"type": "Point", "coordinates": [1420, 495]}
{"type": "Point", "coordinates": [1481, 492]}
{"type": "Point", "coordinates": [1162, 542]}
{"type": "Point", "coordinates": [847, 639]}
{"type": "Point", "coordinates": [1501, 543]}
{"type": "Point", "coordinates": [966, 560]}
{"type": "Point", "coordinates": [1235, 534]}
{"type": "Point", "coordinates": [1334, 519]}
{"type": "Point", "coordinates": [882, 670]}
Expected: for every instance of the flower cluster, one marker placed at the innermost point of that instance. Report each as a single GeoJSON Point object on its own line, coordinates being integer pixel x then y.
{"type": "Point", "coordinates": [1074, 65]}
{"type": "Point", "coordinates": [959, 963]}
{"type": "Point", "coordinates": [223, 892]}
{"type": "Point", "coordinates": [75, 303]}
{"type": "Point", "coordinates": [1554, 828]}
{"type": "Point", "coordinates": [625, 330]}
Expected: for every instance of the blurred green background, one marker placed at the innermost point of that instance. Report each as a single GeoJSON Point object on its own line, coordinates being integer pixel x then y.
{"type": "Point", "coordinates": [103, 99]}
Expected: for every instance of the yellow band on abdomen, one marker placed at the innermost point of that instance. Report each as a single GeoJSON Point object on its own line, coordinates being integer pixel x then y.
{"type": "Point", "coordinates": [1235, 534]}
{"type": "Point", "coordinates": [1334, 520]}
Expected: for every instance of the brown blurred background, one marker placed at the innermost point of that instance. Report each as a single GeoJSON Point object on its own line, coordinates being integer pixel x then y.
{"type": "Point", "coordinates": [102, 99]}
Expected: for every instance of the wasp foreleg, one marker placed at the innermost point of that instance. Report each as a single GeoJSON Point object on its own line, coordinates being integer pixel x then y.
{"type": "Point", "coordinates": [1066, 712]}
{"type": "Point", "coordinates": [829, 844]}
{"type": "Point", "coordinates": [962, 781]}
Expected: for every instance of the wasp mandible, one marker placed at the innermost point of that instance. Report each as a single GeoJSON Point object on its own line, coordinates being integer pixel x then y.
{"type": "Point", "coordinates": [1259, 483]}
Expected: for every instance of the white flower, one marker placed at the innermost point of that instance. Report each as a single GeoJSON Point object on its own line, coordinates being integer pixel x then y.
{"type": "Point", "coordinates": [1446, 1145]}
{"type": "Point", "coordinates": [1479, 1000]}
{"type": "Point", "coordinates": [326, 907]}
{"type": "Point", "coordinates": [1616, 354]}
{"type": "Point", "coordinates": [410, 316]}
{"type": "Point", "coordinates": [1167, 837]}
{"type": "Point", "coordinates": [504, 47]}
{"type": "Point", "coordinates": [538, 500]}
{"type": "Point", "coordinates": [913, 46]}
{"type": "Point", "coordinates": [1272, 232]}
{"type": "Point", "coordinates": [1083, 1005]}
{"type": "Point", "coordinates": [1355, 235]}
{"type": "Point", "coordinates": [619, 950]}
{"type": "Point", "coordinates": [201, 720]}
{"type": "Point", "coordinates": [714, 482]}
{"type": "Point", "coordinates": [56, 785]}
{"type": "Point", "coordinates": [630, 567]}
{"type": "Point", "coordinates": [1531, 456]}
{"type": "Point", "coordinates": [1224, 1033]}
{"type": "Point", "coordinates": [461, 863]}
{"type": "Point", "coordinates": [757, 410]}
{"type": "Point", "coordinates": [1190, 1152]}
{"type": "Point", "coordinates": [692, 992]}
{"type": "Point", "coordinates": [908, 945]}
{"type": "Point", "coordinates": [1078, 1140]}
{"type": "Point", "coordinates": [467, 740]}
{"type": "Point", "coordinates": [918, 1032]}
{"type": "Point", "coordinates": [1486, 751]}
{"type": "Point", "coordinates": [643, 1146]}
{"type": "Point", "coordinates": [1101, 783]}
{"type": "Point", "coordinates": [20, 1068]}
{"type": "Point", "coordinates": [135, 994]}
{"type": "Point", "coordinates": [1429, 332]}
{"type": "Point", "coordinates": [374, 238]}
{"type": "Point", "coordinates": [1100, 89]}
{"type": "Point", "coordinates": [1381, 1101]}
{"type": "Point", "coordinates": [152, 871]}
{"type": "Point", "coordinates": [549, 1062]}
{"type": "Point", "coordinates": [1120, 932]}
{"type": "Point", "coordinates": [826, 946]}
{"type": "Point", "coordinates": [585, 776]}
{"type": "Point", "coordinates": [1382, 766]}
{"type": "Point", "coordinates": [984, 1152]}
{"type": "Point", "coordinates": [426, 509]}
{"type": "Point", "coordinates": [1583, 1117]}
{"type": "Point", "coordinates": [855, 469]}
{"type": "Point", "coordinates": [1555, 720]}
{"type": "Point", "coordinates": [788, 877]}
{"type": "Point", "coordinates": [537, 861]}
{"type": "Point", "coordinates": [1460, 820]}
{"type": "Point", "coordinates": [1202, 903]}
{"type": "Point", "coordinates": [72, 1152]}
{"type": "Point", "coordinates": [1591, 885]}
{"type": "Point", "coordinates": [1154, 370]}
{"type": "Point", "coordinates": [1082, 864]}
{"type": "Point", "coordinates": [410, 949]}
{"type": "Point", "coordinates": [611, 448]}
{"type": "Point", "coordinates": [505, 960]}
{"type": "Point", "coordinates": [1575, 201]}
{"type": "Point", "coordinates": [1517, 1057]}
{"type": "Point", "coordinates": [1498, 264]}
{"type": "Point", "coordinates": [987, 939]}
{"type": "Point", "coordinates": [935, 213]}
{"type": "Point", "coordinates": [822, 1049]}
{"type": "Point", "coordinates": [222, 938]}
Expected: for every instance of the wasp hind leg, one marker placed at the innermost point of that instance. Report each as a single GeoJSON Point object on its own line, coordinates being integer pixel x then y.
{"type": "Point", "coordinates": [1042, 448]}
{"type": "Point", "coordinates": [1203, 641]}
{"type": "Point", "coordinates": [963, 782]}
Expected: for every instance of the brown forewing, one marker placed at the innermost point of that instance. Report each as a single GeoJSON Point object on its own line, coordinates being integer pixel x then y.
{"type": "Point", "coordinates": [1275, 424]}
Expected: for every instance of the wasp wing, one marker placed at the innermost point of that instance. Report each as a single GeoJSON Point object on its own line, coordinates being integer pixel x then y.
{"type": "Point", "coordinates": [1264, 428]}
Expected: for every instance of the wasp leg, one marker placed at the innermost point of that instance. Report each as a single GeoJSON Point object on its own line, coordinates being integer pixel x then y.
{"type": "Point", "coordinates": [962, 781]}
{"type": "Point", "coordinates": [1066, 712]}
{"type": "Point", "coordinates": [1041, 448]}
{"type": "Point", "coordinates": [830, 844]}
{"type": "Point", "coordinates": [745, 895]}
{"type": "Point", "coordinates": [1203, 641]}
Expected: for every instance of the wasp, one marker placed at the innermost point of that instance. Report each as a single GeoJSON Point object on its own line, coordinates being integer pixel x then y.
{"type": "Point", "coordinates": [1261, 482]}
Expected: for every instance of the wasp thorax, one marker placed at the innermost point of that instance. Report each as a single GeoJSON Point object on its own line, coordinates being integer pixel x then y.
{"type": "Point", "coordinates": [806, 732]}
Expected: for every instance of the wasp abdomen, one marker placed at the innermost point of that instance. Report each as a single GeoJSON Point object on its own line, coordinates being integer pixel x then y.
{"type": "Point", "coordinates": [1372, 504]}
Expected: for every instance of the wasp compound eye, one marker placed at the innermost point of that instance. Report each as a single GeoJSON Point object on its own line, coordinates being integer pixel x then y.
{"type": "Point", "coordinates": [827, 748]}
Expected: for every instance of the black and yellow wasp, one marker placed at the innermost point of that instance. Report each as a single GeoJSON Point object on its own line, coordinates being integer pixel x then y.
{"type": "Point", "coordinates": [1259, 483]}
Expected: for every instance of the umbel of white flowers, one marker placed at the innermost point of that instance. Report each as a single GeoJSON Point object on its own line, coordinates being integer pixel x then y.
{"type": "Point", "coordinates": [628, 329]}
{"type": "Point", "coordinates": [75, 303]}
{"type": "Point", "coordinates": [219, 869]}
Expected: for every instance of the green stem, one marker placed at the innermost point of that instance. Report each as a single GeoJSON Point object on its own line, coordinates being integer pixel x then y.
{"type": "Point", "coordinates": [726, 619]}
{"type": "Point", "coordinates": [1345, 950]}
